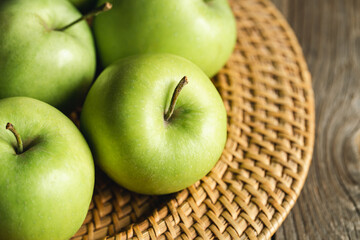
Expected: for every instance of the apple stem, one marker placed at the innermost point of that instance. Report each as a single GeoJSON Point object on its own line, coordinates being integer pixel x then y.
{"type": "Point", "coordinates": [174, 98]}
{"type": "Point", "coordinates": [103, 8]}
{"type": "Point", "coordinates": [11, 128]}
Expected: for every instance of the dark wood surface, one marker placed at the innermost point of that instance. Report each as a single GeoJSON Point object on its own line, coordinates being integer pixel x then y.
{"type": "Point", "coordinates": [329, 205]}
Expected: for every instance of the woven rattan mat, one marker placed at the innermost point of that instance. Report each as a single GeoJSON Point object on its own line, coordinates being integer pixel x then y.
{"type": "Point", "coordinates": [266, 88]}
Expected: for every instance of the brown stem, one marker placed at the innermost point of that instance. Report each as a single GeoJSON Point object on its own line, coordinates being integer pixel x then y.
{"type": "Point", "coordinates": [20, 147]}
{"type": "Point", "coordinates": [174, 98]}
{"type": "Point", "coordinates": [103, 8]}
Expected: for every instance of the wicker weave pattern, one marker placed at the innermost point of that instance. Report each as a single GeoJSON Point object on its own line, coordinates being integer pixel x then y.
{"type": "Point", "coordinates": [267, 92]}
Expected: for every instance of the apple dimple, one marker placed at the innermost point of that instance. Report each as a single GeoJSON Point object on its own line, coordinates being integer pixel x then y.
{"type": "Point", "coordinates": [177, 112]}
{"type": "Point", "coordinates": [43, 23]}
{"type": "Point", "coordinates": [23, 144]}
{"type": "Point", "coordinates": [31, 143]}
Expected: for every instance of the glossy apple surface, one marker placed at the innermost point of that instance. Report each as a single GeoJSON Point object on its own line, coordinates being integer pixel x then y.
{"type": "Point", "coordinates": [38, 61]}
{"type": "Point", "coordinates": [46, 190]}
{"type": "Point", "coordinates": [202, 31]}
{"type": "Point", "coordinates": [123, 121]}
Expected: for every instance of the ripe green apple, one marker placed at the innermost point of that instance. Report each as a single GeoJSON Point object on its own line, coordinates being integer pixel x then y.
{"type": "Point", "coordinates": [39, 61]}
{"type": "Point", "coordinates": [203, 31]}
{"type": "Point", "coordinates": [123, 119]}
{"type": "Point", "coordinates": [45, 189]}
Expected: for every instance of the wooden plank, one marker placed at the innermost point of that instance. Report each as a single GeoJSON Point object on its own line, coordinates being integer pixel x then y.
{"type": "Point", "coordinates": [329, 205]}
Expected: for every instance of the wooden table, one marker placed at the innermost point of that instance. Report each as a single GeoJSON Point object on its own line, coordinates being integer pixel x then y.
{"type": "Point", "coordinates": [329, 205]}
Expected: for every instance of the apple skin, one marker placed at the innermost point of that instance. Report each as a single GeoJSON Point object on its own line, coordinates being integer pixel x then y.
{"type": "Point", "coordinates": [45, 192]}
{"type": "Point", "coordinates": [202, 31]}
{"type": "Point", "coordinates": [123, 121]}
{"type": "Point", "coordinates": [39, 62]}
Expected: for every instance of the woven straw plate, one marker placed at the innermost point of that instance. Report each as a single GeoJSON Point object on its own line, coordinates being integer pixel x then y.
{"type": "Point", "coordinates": [266, 88]}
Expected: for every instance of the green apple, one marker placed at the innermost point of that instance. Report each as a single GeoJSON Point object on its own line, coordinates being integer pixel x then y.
{"type": "Point", "coordinates": [132, 140]}
{"type": "Point", "coordinates": [203, 31]}
{"type": "Point", "coordinates": [39, 61]}
{"type": "Point", "coordinates": [47, 184]}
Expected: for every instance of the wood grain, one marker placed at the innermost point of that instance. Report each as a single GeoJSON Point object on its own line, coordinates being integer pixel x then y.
{"type": "Point", "coordinates": [329, 205]}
